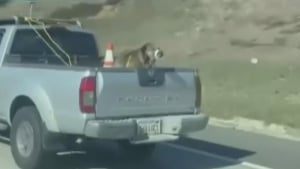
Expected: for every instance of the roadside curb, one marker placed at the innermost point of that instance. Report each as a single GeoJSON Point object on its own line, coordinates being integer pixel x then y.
{"type": "Point", "coordinates": [258, 127]}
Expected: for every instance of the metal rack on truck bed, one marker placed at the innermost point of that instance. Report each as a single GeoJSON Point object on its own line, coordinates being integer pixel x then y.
{"type": "Point", "coordinates": [23, 20]}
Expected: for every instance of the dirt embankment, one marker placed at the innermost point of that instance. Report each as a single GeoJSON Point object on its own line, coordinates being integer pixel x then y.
{"type": "Point", "coordinates": [173, 23]}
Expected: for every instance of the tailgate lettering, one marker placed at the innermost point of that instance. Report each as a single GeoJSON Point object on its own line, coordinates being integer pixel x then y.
{"type": "Point", "coordinates": [147, 99]}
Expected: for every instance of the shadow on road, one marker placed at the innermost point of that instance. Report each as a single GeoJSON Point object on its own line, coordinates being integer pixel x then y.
{"type": "Point", "coordinates": [213, 148]}
{"type": "Point", "coordinates": [106, 155]}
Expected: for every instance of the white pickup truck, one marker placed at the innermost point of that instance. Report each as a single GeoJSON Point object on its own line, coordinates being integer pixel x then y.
{"type": "Point", "coordinates": [52, 99]}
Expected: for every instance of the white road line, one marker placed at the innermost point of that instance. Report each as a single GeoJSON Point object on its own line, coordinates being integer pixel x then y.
{"type": "Point", "coordinates": [254, 166]}
{"type": "Point", "coordinates": [227, 159]}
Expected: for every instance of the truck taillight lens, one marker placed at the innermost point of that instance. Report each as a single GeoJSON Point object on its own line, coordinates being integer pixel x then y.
{"type": "Point", "coordinates": [198, 90]}
{"type": "Point", "coordinates": [87, 94]}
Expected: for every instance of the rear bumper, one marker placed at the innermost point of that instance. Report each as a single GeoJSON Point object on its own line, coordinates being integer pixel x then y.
{"type": "Point", "coordinates": [171, 128]}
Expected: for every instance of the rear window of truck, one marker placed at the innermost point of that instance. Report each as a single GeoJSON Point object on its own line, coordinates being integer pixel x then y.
{"type": "Point", "coordinates": [30, 47]}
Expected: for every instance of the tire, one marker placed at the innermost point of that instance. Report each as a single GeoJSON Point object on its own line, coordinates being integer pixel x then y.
{"type": "Point", "coordinates": [137, 152]}
{"type": "Point", "coordinates": [4, 133]}
{"type": "Point", "coordinates": [27, 121]}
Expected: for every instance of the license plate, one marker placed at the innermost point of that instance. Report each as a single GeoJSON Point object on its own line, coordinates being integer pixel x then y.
{"type": "Point", "coordinates": [150, 127]}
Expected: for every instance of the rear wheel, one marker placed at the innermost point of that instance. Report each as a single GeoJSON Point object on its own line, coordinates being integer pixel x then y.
{"type": "Point", "coordinates": [26, 139]}
{"type": "Point", "coordinates": [4, 133]}
{"type": "Point", "coordinates": [137, 151]}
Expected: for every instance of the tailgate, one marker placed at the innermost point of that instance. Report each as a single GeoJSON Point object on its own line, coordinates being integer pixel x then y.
{"type": "Point", "coordinates": [143, 92]}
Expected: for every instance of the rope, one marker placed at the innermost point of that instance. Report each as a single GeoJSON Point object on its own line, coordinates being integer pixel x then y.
{"type": "Point", "coordinates": [52, 40]}
{"type": "Point", "coordinates": [29, 20]}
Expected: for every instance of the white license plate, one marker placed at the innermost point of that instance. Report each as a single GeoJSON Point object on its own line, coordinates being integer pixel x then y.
{"type": "Point", "coordinates": [150, 127]}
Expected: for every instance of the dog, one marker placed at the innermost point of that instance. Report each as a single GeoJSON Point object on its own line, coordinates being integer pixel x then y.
{"type": "Point", "coordinates": [142, 57]}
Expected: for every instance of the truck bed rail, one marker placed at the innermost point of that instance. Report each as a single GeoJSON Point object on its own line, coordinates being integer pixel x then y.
{"type": "Point", "coordinates": [22, 20]}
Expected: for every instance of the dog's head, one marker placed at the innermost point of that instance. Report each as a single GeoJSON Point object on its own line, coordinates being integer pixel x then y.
{"type": "Point", "coordinates": [158, 53]}
{"type": "Point", "coordinates": [151, 52]}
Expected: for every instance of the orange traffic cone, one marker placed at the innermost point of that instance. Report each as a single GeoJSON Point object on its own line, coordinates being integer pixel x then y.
{"type": "Point", "coordinates": [109, 58]}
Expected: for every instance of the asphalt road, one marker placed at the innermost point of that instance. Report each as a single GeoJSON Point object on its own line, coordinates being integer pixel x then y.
{"type": "Point", "coordinates": [255, 148]}
{"type": "Point", "coordinates": [212, 149]}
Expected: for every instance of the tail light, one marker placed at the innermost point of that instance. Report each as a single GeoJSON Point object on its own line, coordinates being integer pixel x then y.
{"type": "Point", "coordinates": [198, 90]}
{"type": "Point", "coordinates": [87, 94]}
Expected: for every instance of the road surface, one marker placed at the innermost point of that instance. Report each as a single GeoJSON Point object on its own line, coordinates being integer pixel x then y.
{"type": "Point", "coordinates": [255, 148]}
{"type": "Point", "coordinates": [216, 148]}
{"type": "Point", "coordinates": [167, 156]}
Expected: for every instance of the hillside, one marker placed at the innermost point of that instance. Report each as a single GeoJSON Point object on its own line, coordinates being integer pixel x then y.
{"type": "Point", "coordinates": [217, 36]}
{"type": "Point", "coordinates": [185, 23]}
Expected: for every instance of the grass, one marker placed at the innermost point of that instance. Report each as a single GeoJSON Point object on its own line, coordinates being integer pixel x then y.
{"type": "Point", "coordinates": [268, 91]}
